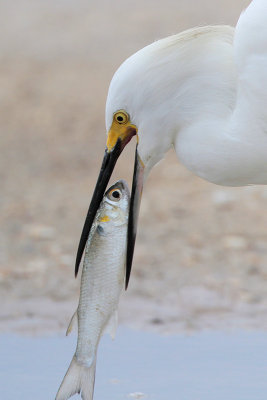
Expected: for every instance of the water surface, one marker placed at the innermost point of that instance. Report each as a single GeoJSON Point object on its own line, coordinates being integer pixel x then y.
{"type": "Point", "coordinates": [203, 366]}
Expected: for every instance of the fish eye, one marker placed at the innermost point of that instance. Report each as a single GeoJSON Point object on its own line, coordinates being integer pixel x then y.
{"type": "Point", "coordinates": [121, 117]}
{"type": "Point", "coordinates": [115, 195]}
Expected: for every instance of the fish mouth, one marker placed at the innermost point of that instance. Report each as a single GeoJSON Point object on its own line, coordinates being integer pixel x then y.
{"type": "Point", "coordinates": [107, 167]}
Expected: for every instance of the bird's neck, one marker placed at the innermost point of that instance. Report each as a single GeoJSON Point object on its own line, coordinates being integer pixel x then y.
{"type": "Point", "coordinates": [229, 146]}
{"type": "Point", "coordinates": [214, 115]}
{"type": "Point", "coordinates": [199, 86]}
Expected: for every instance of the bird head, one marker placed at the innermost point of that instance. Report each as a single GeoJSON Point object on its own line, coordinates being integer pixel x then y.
{"type": "Point", "coordinates": [156, 93]}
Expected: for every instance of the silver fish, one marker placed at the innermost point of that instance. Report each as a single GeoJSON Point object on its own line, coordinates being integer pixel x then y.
{"type": "Point", "coordinates": [102, 281]}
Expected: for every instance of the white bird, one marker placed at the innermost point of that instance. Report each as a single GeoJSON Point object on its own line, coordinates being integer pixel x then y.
{"type": "Point", "coordinates": [203, 91]}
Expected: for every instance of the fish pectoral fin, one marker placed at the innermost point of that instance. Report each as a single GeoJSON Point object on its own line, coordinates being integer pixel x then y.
{"type": "Point", "coordinates": [73, 322]}
{"type": "Point", "coordinates": [112, 324]}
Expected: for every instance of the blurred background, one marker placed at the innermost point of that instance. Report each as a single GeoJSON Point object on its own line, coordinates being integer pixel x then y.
{"type": "Point", "coordinates": [201, 252]}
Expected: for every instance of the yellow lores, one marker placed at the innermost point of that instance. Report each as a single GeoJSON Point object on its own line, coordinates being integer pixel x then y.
{"type": "Point", "coordinates": [121, 128]}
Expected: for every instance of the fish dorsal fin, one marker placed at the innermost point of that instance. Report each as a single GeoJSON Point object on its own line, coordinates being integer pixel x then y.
{"type": "Point", "coordinates": [73, 323]}
{"type": "Point", "coordinates": [112, 324]}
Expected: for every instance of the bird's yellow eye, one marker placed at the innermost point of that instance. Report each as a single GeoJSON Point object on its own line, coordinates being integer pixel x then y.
{"type": "Point", "coordinates": [121, 117]}
{"type": "Point", "coordinates": [115, 195]}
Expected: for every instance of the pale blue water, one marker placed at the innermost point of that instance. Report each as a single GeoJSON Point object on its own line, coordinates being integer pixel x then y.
{"type": "Point", "coordinates": [204, 366]}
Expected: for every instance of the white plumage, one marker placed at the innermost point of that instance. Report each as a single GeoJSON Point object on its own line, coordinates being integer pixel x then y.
{"type": "Point", "coordinates": [204, 91]}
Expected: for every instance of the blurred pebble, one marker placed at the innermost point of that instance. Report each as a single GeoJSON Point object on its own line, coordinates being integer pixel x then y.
{"type": "Point", "coordinates": [136, 395]}
{"type": "Point", "coordinates": [234, 242]}
{"type": "Point", "coordinates": [221, 197]}
{"type": "Point", "coordinates": [195, 240]}
{"type": "Point", "coordinates": [253, 270]}
{"type": "Point", "coordinates": [157, 321]}
{"type": "Point", "coordinates": [55, 249]}
{"type": "Point", "coordinates": [38, 265]}
{"type": "Point", "coordinates": [41, 232]}
{"type": "Point", "coordinates": [114, 381]}
{"type": "Point", "coordinates": [199, 297]}
{"type": "Point", "coordinates": [66, 259]}
{"type": "Point", "coordinates": [2, 277]}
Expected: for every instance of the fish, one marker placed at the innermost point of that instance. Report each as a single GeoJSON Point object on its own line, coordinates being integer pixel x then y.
{"type": "Point", "coordinates": [102, 281]}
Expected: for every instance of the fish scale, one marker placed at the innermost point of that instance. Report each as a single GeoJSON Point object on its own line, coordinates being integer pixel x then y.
{"type": "Point", "coordinates": [102, 282]}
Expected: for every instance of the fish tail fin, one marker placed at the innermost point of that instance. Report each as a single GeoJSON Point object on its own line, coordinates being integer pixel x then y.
{"type": "Point", "coordinates": [78, 379]}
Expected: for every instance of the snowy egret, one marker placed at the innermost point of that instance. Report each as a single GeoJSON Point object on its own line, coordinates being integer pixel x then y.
{"type": "Point", "coordinates": [203, 91]}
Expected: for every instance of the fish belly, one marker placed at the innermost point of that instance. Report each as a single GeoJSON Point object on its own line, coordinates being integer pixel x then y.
{"type": "Point", "coordinates": [101, 284]}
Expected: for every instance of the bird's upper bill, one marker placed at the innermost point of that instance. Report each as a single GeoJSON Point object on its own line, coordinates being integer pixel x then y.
{"type": "Point", "coordinates": [120, 133]}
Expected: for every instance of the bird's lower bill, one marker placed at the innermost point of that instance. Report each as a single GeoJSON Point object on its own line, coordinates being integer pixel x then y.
{"type": "Point", "coordinates": [108, 164]}
{"type": "Point", "coordinates": [136, 195]}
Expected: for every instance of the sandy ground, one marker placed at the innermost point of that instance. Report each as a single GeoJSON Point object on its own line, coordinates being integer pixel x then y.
{"type": "Point", "coordinates": [201, 253]}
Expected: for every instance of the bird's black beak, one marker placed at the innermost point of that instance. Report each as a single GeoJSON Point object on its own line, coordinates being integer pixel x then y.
{"type": "Point", "coordinates": [136, 194]}
{"type": "Point", "coordinates": [108, 164]}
